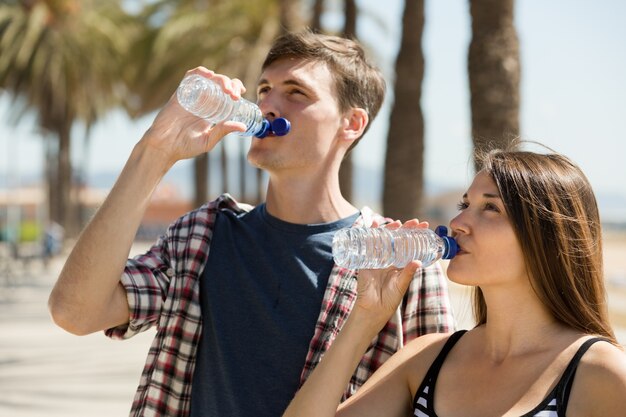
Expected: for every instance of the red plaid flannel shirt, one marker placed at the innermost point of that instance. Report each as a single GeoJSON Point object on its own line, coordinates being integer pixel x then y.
{"type": "Point", "coordinates": [163, 291]}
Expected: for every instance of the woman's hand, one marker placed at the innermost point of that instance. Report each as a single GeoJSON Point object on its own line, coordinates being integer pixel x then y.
{"type": "Point", "coordinates": [380, 291]}
{"type": "Point", "coordinates": [177, 134]}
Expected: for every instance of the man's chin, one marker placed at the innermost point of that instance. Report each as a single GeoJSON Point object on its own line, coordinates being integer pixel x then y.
{"type": "Point", "coordinates": [257, 159]}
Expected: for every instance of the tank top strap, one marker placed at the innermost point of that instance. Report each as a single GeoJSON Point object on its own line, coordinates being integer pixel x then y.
{"type": "Point", "coordinates": [564, 385]}
{"type": "Point", "coordinates": [430, 379]}
{"type": "Point", "coordinates": [447, 347]}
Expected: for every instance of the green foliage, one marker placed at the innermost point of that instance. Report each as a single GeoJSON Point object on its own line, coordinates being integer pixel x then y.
{"type": "Point", "coordinates": [63, 58]}
{"type": "Point", "coordinates": [74, 60]}
{"type": "Point", "coordinates": [181, 35]}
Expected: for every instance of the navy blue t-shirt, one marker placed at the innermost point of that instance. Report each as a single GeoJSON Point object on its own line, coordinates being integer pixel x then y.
{"type": "Point", "coordinates": [260, 294]}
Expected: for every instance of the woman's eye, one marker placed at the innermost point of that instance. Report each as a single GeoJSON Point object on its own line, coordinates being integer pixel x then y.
{"type": "Point", "coordinates": [492, 207]}
{"type": "Point", "coordinates": [462, 205]}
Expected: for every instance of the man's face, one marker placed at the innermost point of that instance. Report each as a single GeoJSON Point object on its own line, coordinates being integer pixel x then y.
{"type": "Point", "coordinates": [304, 93]}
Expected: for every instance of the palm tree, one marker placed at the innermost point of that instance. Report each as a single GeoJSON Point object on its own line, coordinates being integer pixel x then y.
{"type": "Point", "coordinates": [346, 170]}
{"type": "Point", "coordinates": [190, 33]}
{"type": "Point", "coordinates": [60, 59]}
{"type": "Point", "coordinates": [289, 15]}
{"type": "Point", "coordinates": [494, 74]}
{"type": "Point", "coordinates": [403, 184]}
{"type": "Point", "coordinates": [349, 31]}
{"type": "Point", "coordinates": [316, 15]}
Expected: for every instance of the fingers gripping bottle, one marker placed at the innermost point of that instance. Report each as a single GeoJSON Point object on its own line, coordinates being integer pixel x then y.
{"type": "Point", "coordinates": [379, 247]}
{"type": "Point", "coordinates": [204, 98]}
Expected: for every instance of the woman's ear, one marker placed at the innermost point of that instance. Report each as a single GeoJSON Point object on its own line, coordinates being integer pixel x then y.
{"type": "Point", "coordinates": [354, 123]}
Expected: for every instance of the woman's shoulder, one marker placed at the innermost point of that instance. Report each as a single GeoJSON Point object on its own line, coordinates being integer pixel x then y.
{"type": "Point", "coordinates": [600, 382]}
{"type": "Point", "coordinates": [604, 359]}
{"type": "Point", "coordinates": [423, 350]}
{"type": "Point", "coordinates": [431, 341]}
{"type": "Point", "coordinates": [418, 356]}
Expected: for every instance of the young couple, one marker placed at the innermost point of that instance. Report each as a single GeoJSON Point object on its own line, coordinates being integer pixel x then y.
{"type": "Point", "coordinates": [247, 300]}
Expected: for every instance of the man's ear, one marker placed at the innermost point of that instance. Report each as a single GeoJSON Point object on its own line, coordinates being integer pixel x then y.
{"type": "Point", "coordinates": [354, 123]}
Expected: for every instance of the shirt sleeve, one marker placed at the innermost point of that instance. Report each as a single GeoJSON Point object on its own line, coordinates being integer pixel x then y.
{"type": "Point", "coordinates": [146, 279]}
{"type": "Point", "coordinates": [181, 252]}
{"type": "Point", "coordinates": [427, 306]}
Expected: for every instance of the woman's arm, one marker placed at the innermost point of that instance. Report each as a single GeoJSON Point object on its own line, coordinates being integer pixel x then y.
{"type": "Point", "coordinates": [379, 293]}
{"type": "Point", "coordinates": [390, 390]}
{"type": "Point", "coordinates": [322, 392]}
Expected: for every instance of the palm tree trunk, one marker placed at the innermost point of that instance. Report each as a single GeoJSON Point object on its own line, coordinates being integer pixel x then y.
{"type": "Point", "coordinates": [316, 19]}
{"type": "Point", "coordinates": [250, 69]}
{"type": "Point", "coordinates": [224, 165]}
{"type": "Point", "coordinates": [404, 159]}
{"type": "Point", "coordinates": [350, 15]}
{"type": "Point", "coordinates": [51, 180]}
{"type": "Point", "coordinates": [201, 179]}
{"type": "Point", "coordinates": [241, 154]}
{"type": "Point", "coordinates": [64, 211]}
{"type": "Point", "coordinates": [346, 170]}
{"type": "Point", "coordinates": [288, 15]}
{"type": "Point", "coordinates": [260, 187]}
{"type": "Point", "coordinates": [494, 74]}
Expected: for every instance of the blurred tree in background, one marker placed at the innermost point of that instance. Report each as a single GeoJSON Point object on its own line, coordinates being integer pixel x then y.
{"type": "Point", "coordinates": [494, 74]}
{"type": "Point", "coordinates": [404, 159]}
{"type": "Point", "coordinates": [183, 34]}
{"type": "Point", "coordinates": [346, 170]}
{"type": "Point", "coordinates": [62, 60]}
{"type": "Point", "coordinates": [72, 61]}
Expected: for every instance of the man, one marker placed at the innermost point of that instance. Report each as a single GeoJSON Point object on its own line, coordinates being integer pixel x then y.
{"type": "Point", "coordinates": [245, 300]}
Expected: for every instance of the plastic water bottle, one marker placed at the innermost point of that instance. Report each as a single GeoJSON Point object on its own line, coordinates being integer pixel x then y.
{"type": "Point", "coordinates": [378, 248]}
{"type": "Point", "coordinates": [204, 98]}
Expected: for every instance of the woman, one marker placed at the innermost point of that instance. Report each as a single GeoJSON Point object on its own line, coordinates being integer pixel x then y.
{"type": "Point", "coordinates": [530, 240]}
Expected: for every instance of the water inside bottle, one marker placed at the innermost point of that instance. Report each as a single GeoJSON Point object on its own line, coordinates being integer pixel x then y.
{"type": "Point", "coordinates": [374, 248]}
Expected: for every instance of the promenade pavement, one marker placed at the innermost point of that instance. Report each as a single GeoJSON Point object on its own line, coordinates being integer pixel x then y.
{"type": "Point", "coordinates": [46, 372]}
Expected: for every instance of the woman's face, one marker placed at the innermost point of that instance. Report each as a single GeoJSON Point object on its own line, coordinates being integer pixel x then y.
{"type": "Point", "coordinates": [490, 253]}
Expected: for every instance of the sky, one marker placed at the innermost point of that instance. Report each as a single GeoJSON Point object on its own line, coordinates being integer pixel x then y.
{"type": "Point", "coordinates": [573, 94]}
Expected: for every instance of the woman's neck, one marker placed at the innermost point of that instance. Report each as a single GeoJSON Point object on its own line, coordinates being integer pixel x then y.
{"type": "Point", "coordinates": [517, 323]}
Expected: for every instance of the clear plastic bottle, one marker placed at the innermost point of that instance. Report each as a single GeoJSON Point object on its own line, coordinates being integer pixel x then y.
{"type": "Point", "coordinates": [379, 247]}
{"type": "Point", "coordinates": [204, 98]}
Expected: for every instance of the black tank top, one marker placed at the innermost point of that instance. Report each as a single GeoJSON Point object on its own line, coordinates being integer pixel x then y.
{"type": "Point", "coordinates": [554, 405]}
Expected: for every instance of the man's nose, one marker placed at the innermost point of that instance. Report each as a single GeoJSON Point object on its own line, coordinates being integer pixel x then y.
{"type": "Point", "coordinates": [269, 105]}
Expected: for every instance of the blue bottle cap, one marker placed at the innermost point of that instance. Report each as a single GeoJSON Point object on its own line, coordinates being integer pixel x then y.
{"type": "Point", "coordinates": [281, 126]}
{"type": "Point", "coordinates": [265, 129]}
{"type": "Point", "coordinates": [441, 231]}
{"type": "Point", "coordinates": [450, 245]}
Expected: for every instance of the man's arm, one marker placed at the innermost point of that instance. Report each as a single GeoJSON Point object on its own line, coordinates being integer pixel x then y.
{"type": "Point", "coordinates": [88, 296]}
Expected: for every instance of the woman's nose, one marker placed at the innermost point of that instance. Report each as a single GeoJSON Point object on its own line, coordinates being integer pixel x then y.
{"type": "Point", "coordinates": [459, 223]}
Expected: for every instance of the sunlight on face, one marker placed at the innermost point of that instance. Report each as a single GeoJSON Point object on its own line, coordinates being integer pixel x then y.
{"type": "Point", "coordinates": [490, 252]}
{"type": "Point", "coordinates": [303, 92]}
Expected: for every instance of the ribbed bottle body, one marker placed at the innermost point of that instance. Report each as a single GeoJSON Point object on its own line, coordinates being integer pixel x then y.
{"type": "Point", "coordinates": [376, 248]}
{"type": "Point", "coordinates": [204, 98]}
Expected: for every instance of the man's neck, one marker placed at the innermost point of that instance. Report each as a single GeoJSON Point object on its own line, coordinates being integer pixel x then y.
{"type": "Point", "coordinates": [307, 202]}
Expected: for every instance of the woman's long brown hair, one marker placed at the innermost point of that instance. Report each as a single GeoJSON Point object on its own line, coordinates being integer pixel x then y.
{"type": "Point", "coordinates": [554, 213]}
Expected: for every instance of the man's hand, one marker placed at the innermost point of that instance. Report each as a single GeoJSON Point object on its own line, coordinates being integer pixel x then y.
{"type": "Point", "coordinates": [177, 134]}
